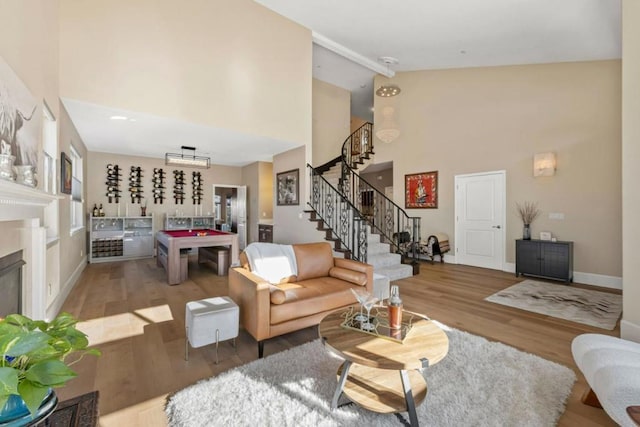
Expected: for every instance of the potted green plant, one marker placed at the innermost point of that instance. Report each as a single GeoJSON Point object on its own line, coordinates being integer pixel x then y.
{"type": "Point", "coordinates": [34, 361]}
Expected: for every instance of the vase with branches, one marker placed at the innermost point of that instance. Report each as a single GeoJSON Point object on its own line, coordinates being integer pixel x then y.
{"type": "Point", "coordinates": [528, 212]}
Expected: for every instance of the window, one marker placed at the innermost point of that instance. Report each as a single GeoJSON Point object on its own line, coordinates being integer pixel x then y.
{"type": "Point", "coordinates": [77, 205]}
{"type": "Point", "coordinates": [49, 178]}
{"type": "Point", "coordinates": [50, 146]}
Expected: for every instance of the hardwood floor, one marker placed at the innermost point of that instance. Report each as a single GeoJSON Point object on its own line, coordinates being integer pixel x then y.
{"type": "Point", "coordinates": [137, 321]}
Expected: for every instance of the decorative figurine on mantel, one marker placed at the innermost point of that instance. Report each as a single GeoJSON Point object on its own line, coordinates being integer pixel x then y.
{"type": "Point", "coordinates": [528, 212]}
{"type": "Point", "coordinates": [6, 162]}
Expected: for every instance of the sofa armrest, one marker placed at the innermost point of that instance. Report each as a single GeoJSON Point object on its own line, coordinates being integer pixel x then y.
{"type": "Point", "coordinates": [358, 266]}
{"type": "Point", "coordinates": [252, 294]}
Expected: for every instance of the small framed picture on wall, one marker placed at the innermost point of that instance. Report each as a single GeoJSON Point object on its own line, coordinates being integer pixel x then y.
{"type": "Point", "coordinates": [66, 174]}
{"type": "Point", "coordinates": [288, 187]}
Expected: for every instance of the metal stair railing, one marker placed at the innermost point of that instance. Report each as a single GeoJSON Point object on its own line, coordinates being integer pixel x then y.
{"type": "Point", "coordinates": [381, 213]}
{"type": "Point", "coordinates": [338, 214]}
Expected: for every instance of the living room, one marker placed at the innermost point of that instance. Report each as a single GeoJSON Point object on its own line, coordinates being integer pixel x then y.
{"type": "Point", "coordinates": [459, 121]}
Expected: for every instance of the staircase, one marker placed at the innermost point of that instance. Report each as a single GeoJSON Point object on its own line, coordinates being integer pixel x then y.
{"type": "Point", "coordinates": [361, 221]}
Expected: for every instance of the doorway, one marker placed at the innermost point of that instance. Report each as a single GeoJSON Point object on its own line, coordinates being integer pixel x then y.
{"type": "Point", "coordinates": [480, 203]}
{"type": "Point", "coordinates": [230, 210]}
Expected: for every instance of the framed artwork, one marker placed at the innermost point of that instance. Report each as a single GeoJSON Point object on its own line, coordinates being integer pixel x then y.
{"type": "Point", "coordinates": [288, 184]}
{"type": "Point", "coordinates": [65, 174]}
{"type": "Point", "coordinates": [421, 190]}
{"type": "Point", "coordinates": [20, 120]}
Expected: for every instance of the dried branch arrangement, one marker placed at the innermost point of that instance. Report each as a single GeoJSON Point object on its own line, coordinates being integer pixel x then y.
{"type": "Point", "coordinates": [528, 211]}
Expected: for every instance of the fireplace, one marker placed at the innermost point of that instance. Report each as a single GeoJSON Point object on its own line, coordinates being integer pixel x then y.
{"type": "Point", "coordinates": [23, 249]}
{"type": "Point", "coordinates": [11, 284]}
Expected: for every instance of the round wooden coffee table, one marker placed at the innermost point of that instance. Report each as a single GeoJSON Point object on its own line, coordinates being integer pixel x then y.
{"type": "Point", "coordinates": [369, 375]}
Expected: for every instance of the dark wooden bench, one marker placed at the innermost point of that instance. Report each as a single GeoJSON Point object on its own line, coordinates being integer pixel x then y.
{"type": "Point", "coordinates": [219, 255]}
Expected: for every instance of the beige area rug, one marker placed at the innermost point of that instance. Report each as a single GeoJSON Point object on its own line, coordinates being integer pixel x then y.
{"type": "Point", "coordinates": [593, 308]}
{"type": "Point", "coordinates": [479, 383]}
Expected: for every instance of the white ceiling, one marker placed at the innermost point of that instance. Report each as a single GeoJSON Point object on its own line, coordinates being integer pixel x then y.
{"type": "Point", "coordinates": [421, 34]}
{"type": "Point", "coordinates": [147, 135]}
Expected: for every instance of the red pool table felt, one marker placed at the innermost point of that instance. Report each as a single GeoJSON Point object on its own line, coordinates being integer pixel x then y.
{"type": "Point", "coordinates": [193, 233]}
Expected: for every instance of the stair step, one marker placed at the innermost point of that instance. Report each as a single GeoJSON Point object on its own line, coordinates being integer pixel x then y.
{"type": "Point", "coordinates": [378, 248]}
{"type": "Point", "coordinates": [395, 272]}
{"type": "Point", "coordinates": [383, 260]}
{"type": "Point", "coordinates": [373, 238]}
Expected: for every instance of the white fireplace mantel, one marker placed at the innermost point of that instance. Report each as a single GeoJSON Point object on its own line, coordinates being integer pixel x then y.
{"type": "Point", "coordinates": [27, 205]}
{"type": "Point", "coordinates": [22, 202]}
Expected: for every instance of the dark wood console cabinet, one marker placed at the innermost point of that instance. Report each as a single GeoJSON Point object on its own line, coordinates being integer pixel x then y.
{"type": "Point", "coordinates": [265, 233]}
{"type": "Point", "coordinates": [542, 258]}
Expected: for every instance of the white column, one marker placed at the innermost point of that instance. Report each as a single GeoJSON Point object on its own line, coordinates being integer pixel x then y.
{"type": "Point", "coordinates": [34, 242]}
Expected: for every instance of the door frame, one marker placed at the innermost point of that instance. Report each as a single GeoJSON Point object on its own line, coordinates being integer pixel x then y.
{"type": "Point", "coordinates": [503, 177]}
{"type": "Point", "coordinates": [246, 206]}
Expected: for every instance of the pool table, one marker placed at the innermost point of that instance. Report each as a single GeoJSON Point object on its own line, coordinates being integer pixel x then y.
{"type": "Point", "coordinates": [171, 241]}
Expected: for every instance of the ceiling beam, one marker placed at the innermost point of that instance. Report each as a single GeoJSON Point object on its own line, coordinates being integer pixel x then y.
{"type": "Point", "coordinates": [327, 43]}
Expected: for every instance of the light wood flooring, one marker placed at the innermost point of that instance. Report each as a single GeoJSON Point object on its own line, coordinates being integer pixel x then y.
{"type": "Point", "coordinates": [137, 321]}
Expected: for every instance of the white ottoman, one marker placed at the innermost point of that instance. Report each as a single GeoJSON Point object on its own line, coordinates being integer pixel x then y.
{"type": "Point", "coordinates": [210, 321]}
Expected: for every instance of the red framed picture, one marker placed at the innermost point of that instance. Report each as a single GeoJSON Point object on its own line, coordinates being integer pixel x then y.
{"type": "Point", "coordinates": [421, 190]}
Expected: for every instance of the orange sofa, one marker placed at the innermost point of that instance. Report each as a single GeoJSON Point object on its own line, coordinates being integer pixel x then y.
{"type": "Point", "coordinates": [321, 286]}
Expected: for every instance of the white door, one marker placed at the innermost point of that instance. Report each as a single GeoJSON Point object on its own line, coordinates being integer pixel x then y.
{"type": "Point", "coordinates": [480, 212]}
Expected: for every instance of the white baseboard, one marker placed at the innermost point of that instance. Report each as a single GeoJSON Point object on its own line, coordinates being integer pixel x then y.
{"type": "Point", "coordinates": [598, 280]}
{"type": "Point", "coordinates": [629, 331]}
{"type": "Point", "coordinates": [583, 278]}
{"type": "Point", "coordinates": [56, 305]}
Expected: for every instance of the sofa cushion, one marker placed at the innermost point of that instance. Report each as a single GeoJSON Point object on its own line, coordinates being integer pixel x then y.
{"type": "Point", "coordinates": [313, 260]}
{"type": "Point", "coordinates": [310, 297]}
{"type": "Point", "coordinates": [354, 277]}
{"type": "Point", "coordinates": [277, 295]}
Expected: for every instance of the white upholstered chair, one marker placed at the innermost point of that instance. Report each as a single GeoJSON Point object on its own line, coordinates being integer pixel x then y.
{"type": "Point", "coordinates": [611, 366]}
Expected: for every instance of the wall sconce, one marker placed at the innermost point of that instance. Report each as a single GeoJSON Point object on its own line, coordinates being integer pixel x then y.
{"type": "Point", "coordinates": [544, 164]}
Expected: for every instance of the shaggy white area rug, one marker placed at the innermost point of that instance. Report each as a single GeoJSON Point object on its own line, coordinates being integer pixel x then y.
{"type": "Point", "coordinates": [593, 308]}
{"type": "Point", "coordinates": [479, 383]}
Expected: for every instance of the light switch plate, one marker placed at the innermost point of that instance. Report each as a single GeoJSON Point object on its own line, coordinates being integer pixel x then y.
{"type": "Point", "coordinates": [556, 215]}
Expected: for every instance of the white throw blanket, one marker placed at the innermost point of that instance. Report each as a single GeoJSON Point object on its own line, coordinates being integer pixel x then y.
{"type": "Point", "coordinates": [271, 261]}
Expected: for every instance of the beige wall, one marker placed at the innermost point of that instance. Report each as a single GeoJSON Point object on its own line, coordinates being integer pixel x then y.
{"type": "Point", "coordinates": [356, 122]}
{"type": "Point", "coordinates": [290, 223]}
{"type": "Point", "coordinates": [32, 52]}
{"type": "Point", "coordinates": [380, 179]}
{"type": "Point", "coordinates": [630, 325]}
{"type": "Point", "coordinates": [331, 117]}
{"type": "Point", "coordinates": [96, 188]}
{"type": "Point", "coordinates": [251, 178]}
{"type": "Point", "coordinates": [258, 177]}
{"type": "Point", "coordinates": [496, 118]}
{"type": "Point", "coordinates": [229, 64]}
{"type": "Point", "coordinates": [29, 44]}
{"type": "Point", "coordinates": [266, 190]}
{"type": "Point", "coordinates": [72, 246]}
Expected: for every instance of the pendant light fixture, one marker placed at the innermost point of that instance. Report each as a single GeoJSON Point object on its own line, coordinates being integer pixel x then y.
{"type": "Point", "coordinates": [388, 130]}
{"type": "Point", "coordinates": [389, 89]}
{"type": "Point", "coordinates": [187, 160]}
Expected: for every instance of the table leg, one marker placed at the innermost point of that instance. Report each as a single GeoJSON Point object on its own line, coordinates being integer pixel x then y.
{"type": "Point", "coordinates": [343, 378]}
{"type": "Point", "coordinates": [408, 396]}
